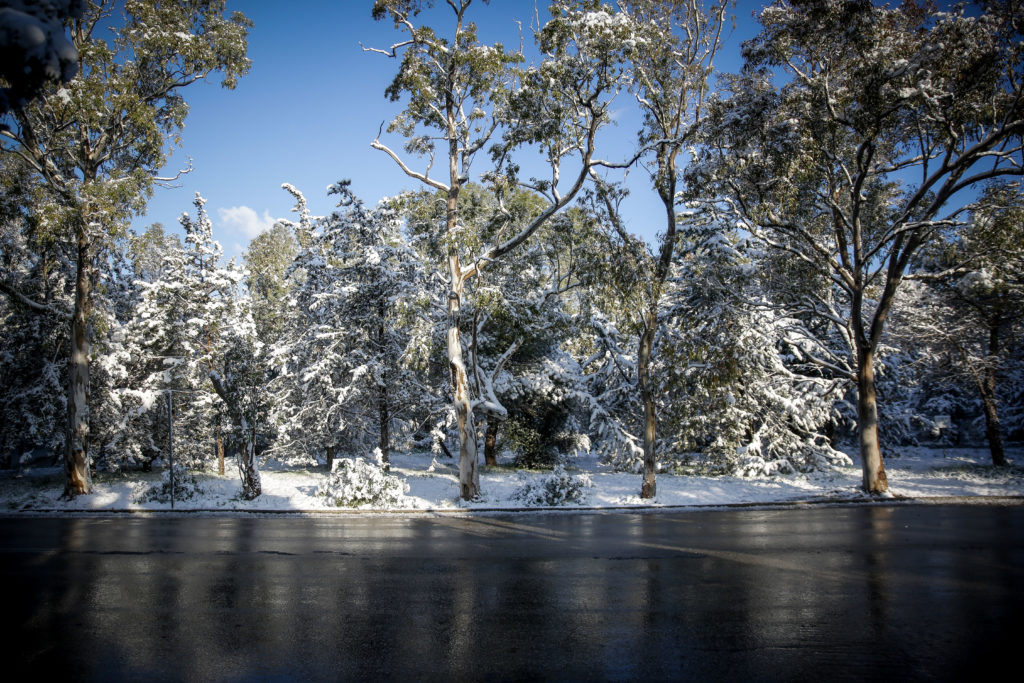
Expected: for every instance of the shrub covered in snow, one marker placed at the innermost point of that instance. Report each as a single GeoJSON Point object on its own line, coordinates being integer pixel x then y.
{"type": "Point", "coordinates": [558, 488]}
{"type": "Point", "coordinates": [186, 487]}
{"type": "Point", "coordinates": [356, 483]}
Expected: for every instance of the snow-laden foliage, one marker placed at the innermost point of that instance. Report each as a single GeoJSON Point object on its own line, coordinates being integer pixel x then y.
{"type": "Point", "coordinates": [178, 331]}
{"type": "Point", "coordinates": [733, 390]}
{"type": "Point", "coordinates": [883, 120]}
{"type": "Point", "coordinates": [559, 487]}
{"type": "Point", "coordinates": [740, 408]}
{"type": "Point", "coordinates": [354, 482]}
{"type": "Point", "coordinates": [341, 378]}
{"type": "Point", "coordinates": [34, 295]}
{"type": "Point", "coordinates": [614, 417]}
{"type": "Point", "coordinates": [185, 486]}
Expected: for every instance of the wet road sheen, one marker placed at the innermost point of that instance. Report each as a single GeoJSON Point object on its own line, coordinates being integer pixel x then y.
{"type": "Point", "coordinates": [884, 593]}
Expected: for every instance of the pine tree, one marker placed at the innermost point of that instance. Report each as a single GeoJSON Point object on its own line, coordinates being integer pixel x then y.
{"type": "Point", "coordinates": [342, 383]}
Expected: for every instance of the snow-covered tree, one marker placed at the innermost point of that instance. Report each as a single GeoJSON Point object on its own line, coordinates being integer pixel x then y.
{"type": "Point", "coordinates": [863, 154]}
{"type": "Point", "coordinates": [730, 388]}
{"type": "Point", "coordinates": [267, 260]}
{"type": "Point", "coordinates": [148, 251]}
{"type": "Point", "coordinates": [342, 382]}
{"type": "Point", "coordinates": [192, 336]}
{"type": "Point", "coordinates": [674, 44]}
{"type": "Point", "coordinates": [969, 305]}
{"type": "Point", "coordinates": [98, 142]}
{"type": "Point", "coordinates": [32, 316]}
{"type": "Point", "coordinates": [734, 383]}
{"type": "Point", "coordinates": [459, 93]}
{"type": "Point", "coordinates": [517, 370]}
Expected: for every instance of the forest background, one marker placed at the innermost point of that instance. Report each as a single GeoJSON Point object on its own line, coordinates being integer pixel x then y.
{"type": "Point", "coordinates": [609, 244]}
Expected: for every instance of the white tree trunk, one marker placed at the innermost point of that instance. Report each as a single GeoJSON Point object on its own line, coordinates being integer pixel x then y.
{"type": "Point", "coordinates": [469, 474]}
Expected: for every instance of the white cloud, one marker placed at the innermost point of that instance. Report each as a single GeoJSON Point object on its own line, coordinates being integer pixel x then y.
{"type": "Point", "coordinates": [246, 220]}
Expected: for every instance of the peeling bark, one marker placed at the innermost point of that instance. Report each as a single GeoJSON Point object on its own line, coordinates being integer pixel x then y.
{"type": "Point", "coordinates": [469, 475]}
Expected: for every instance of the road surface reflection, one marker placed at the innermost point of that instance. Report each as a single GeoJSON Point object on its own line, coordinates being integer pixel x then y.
{"type": "Point", "coordinates": [914, 592]}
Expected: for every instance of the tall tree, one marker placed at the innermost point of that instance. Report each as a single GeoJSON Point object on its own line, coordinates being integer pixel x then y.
{"type": "Point", "coordinates": [460, 93]}
{"type": "Point", "coordinates": [98, 142]}
{"type": "Point", "coordinates": [863, 155]}
{"type": "Point", "coordinates": [341, 381]}
{"type": "Point", "coordinates": [670, 67]}
{"type": "Point", "coordinates": [973, 302]}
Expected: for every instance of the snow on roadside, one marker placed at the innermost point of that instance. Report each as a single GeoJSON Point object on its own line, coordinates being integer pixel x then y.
{"type": "Point", "coordinates": [913, 473]}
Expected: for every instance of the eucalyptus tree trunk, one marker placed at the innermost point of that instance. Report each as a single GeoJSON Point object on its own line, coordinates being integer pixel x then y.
{"type": "Point", "coordinates": [385, 437]}
{"type": "Point", "coordinates": [76, 449]}
{"type": "Point", "coordinates": [469, 474]}
{"type": "Point", "coordinates": [873, 468]}
{"type": "Point", "coordinates": [987, 386]}
{"type": "Point", "coordinates": [383, 410]}
{"type": "Point", "coordinates": [649, 487]}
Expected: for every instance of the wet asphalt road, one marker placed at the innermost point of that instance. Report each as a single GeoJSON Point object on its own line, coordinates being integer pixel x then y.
{"type": "Point", "coordinates": [879, 593]}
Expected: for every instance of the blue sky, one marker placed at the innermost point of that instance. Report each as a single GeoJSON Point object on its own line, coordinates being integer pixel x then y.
{"type": "Point", "coordinates": [312, 103]}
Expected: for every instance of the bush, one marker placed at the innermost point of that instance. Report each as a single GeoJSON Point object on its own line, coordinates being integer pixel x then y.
{"type": "Point", "coordinates": [557, 488]}
{"type": "Point", "coordinates": [357, 483]}
{"type": "Point", "coordinates": [186, 487]}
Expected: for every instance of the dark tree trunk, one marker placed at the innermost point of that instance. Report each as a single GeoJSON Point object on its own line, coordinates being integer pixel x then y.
{"type": "Point", "coordinates": [491, 441]}
{"type": "Point", "coordinates": [252, 487]}
{"type": "Point", "coordinates": [78, 478]}
{"type": "Point", "coordinates": [987, 385]}
{"type": "Point", "coordinates": [330, 458]}
{"type": "Point", "coordinates": [247, 472]}
{"type": "Point", "coordinates": [385, 437]}
{"type": "Point", "coordinates": [649, 487]}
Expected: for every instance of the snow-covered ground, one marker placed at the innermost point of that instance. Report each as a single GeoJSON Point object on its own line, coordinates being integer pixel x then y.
{"type": "Point", "coordinates": [916, 473]}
